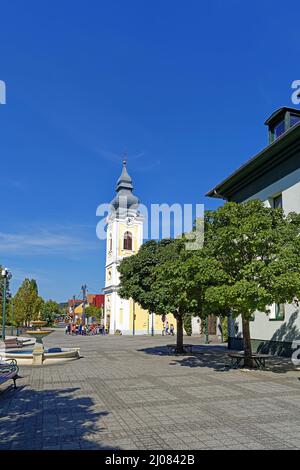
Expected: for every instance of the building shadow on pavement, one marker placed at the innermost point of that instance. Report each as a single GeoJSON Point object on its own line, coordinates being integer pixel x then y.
{"type": "Point", "coordinates": [49, 419]}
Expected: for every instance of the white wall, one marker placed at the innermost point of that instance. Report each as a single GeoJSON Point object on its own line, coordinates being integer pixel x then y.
{"type": "Point", "coordinates": [289, 328]}
{"type": "Point", "coordinates": [289, 186]}
{"type": "Point", "coordinates": [196, 325]}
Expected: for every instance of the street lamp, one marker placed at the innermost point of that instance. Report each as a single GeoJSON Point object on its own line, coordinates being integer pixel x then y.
{"type": "Point", "coordinates": [6, 275]}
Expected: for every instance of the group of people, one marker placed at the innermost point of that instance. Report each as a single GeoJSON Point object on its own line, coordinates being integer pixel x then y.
{"type": "Point", "coordinates": [168, 330]}
{"type": "Point", "coordinates": [84, 330]}
{"type": "Point", "coordinates": [96, 329]}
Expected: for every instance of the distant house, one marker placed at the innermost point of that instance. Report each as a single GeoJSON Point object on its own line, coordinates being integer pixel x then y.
{"type": "Point", "coordinates": [75, 306]}
{"type": "Point", "coordinates": [96, 299]}
{"type": "Point", "coordinates": [72, 305]}
{"type": "Point", "coordinates": [273, 176]}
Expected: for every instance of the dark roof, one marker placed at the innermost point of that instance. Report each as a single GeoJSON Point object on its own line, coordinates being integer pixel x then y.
{"type": "Point", "coordinates": [125, 181]}
{"type": "Point", "coordinates": [269, 156]}
{"type": "Point", "coordinates": [281, 111]}
{"type": "Point", "coordinates": [124, 199]}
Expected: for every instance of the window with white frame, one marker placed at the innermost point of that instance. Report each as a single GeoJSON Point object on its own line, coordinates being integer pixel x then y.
{"type": "Point", "coordinates": [277, 312]}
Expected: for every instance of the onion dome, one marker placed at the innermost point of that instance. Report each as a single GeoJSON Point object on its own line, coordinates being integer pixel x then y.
{"type": "Point", "coordinates": [124, 198]}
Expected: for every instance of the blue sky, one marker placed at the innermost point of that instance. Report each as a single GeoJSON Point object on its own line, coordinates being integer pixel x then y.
{"type": "Point", "coordinates": [184, 87]}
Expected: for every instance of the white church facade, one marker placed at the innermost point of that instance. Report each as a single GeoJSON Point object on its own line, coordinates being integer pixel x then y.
{"type": "Point", "coordinates": [124, 238]}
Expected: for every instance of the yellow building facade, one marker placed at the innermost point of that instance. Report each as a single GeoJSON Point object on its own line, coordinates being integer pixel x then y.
{"type": "Point", "coordinates": [124, 238]}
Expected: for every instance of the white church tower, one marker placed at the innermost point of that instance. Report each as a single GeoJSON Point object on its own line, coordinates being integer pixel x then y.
{"type": "Point", "coordinates": [124, 238]}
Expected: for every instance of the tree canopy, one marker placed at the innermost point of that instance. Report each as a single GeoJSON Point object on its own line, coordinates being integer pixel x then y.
{"type": "Point", "coordinates": [250, 260]}
{"type": "Point", "coordinates": [27, 302]}
{"type": "Point", "coordinates": [259, 250]}
{"type": "Point", "coordinates": [164, 277]}
{"type": "Point", "coordinates": [95, 312]}
{"type": "Point", "coordinates": [50, 310]}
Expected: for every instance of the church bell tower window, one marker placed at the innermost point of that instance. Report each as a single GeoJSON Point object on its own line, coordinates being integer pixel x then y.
{"type": "Point", "coordinates": [127, 241]}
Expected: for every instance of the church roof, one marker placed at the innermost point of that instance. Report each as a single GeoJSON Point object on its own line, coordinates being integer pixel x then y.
{"type": "Point", "coordinates": [125, 181]}
{"type": "Point", "coordinates": [125, 199]}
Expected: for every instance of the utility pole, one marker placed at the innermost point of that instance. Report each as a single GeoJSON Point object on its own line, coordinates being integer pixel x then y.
{"type": "Point", "coordinates": [84, 290]}
{"type": "Point", "coordinates": [73, 309]}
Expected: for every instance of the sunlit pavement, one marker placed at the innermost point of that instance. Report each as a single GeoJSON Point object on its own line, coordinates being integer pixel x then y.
{"type": "Point", "coordinates": [128, 393]}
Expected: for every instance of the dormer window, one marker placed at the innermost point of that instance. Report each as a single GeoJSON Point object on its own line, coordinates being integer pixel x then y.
{"type": "Point", "coordinates": [294, 119]}
{"type": "Point", "coordinates": [281, 121]}
{"type": "Point", "coordinates": [279, 129]}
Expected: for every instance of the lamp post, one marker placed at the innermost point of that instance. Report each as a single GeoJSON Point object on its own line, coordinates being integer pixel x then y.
{"type": "Point", "coordinates": [5, 275]}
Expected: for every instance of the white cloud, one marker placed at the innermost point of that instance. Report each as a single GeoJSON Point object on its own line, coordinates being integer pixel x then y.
{"type": "Point", "coordinates": [19, 274]}
{"type": "Point", "coordinates": [44, 242]}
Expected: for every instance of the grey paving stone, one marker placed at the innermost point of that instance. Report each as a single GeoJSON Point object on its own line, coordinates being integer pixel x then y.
{"type": "Point", "coordinates": [122, 394]}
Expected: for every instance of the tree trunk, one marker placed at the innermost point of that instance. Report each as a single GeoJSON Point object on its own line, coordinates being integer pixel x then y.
{"type": "Point", "coordinates": [179, 336]}
{"type": "Point", "coordinates": [247, 343]}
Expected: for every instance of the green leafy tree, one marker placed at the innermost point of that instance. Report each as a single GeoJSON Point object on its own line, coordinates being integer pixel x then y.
{"type": "Point", "coordinates": [50, 310]}
{"type": "Point", "coordinates": [259, 249]}
{"type": "Point", "coordinates": [138, 274]}
{"type": "Point", "coordinates": [182, 281]}
{"type": "Point", "coordinates": [27, 303]}
{"type": "Point", "coordinates": [164, 277]}
{"type": "Point", "coordinates": [10, 312]}
{"type": "Point", "coordinates": [95, 312]}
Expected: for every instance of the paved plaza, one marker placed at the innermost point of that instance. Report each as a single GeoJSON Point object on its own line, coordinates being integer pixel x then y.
{"type": "Point", "coordinates": [127, 393]}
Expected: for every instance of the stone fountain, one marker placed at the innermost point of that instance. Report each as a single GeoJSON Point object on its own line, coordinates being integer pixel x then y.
{"type": "Point", "coordinates": [39, 355]}
{"type": "Point", "coordinates": [38, 334]}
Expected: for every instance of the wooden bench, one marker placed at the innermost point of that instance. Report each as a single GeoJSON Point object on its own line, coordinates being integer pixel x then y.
{"type": "Point", "coordinates": [12, 343]}
{"type": "Point", "coordinates": [238, 358]}
{"type": "Point", "coordinates": [173, 348]}
{"type": "Point", "coordinates": [15, 342]}
{"type": "Point", "coordinates": [9, 371]}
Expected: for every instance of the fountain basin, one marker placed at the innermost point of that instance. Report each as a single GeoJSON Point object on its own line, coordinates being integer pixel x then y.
{"type": "Point", "coordinates": [38, 334]}
{"type": "Point", "coordinates": [50, 355]}
{"type": "Point", "coordinates": [38, 323]}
